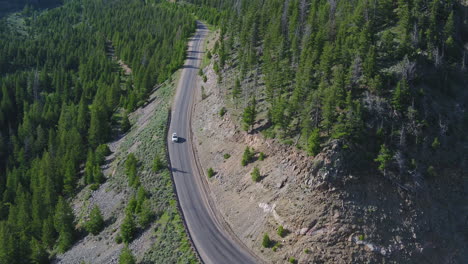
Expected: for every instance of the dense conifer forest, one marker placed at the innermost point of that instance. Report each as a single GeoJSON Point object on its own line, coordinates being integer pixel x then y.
{"type": "Point", "coordinates": [61, 97]}
{"type": "Point", "coordinates": [384, 80]}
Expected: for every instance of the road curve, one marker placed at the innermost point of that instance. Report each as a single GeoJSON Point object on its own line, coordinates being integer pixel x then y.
{"type": "Point", "coordinates": [212, 241]}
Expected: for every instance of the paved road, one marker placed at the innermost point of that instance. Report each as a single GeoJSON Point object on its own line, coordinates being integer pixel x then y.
{"type": "Point", "coordinates": [211, 239]}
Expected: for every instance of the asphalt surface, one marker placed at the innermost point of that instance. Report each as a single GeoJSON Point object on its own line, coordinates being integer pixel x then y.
{"type": "Point", "coordinates": [212, 239]}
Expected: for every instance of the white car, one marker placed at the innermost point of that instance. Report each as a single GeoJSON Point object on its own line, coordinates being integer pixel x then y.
{"type": "Point", "coordinates": [174, 137]}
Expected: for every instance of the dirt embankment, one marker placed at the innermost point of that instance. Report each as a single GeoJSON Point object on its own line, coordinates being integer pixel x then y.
{"type": "Point", "coordinates": [331, 217]}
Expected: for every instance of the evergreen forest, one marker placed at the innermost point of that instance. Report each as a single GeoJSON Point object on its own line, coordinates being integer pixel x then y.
{"type": "Point", "coordinates": [62, 95]}
{"type": "Point", "coordinates": [384, 82]}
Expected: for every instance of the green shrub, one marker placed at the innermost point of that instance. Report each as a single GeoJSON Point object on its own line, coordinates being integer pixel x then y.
{"type": "Point", "coordinates": [227, 156]}
{"type": "Point", "coordinates": [205, 79]}
{"type": "Point", "coordinates": [203, 94]}
{"type": "Point", "coordinates": [126, 257]}
{"type": "Point", "coordinates": [276, 246]}
{"type": "Point", "coordinates": [222, 112]}
{"type": "Point", "coordinates": [281, 231]}
{"type": "Point", "coordinates": [266, 242]}
{"type": "Point", "coordinates": [361, 237]}
{"type": "Point", "coordinates": [307, 251]}
{"type": "Point", "coordinates": [210, 172]}
{"type": "Point", "coordinates": [200, 72]}
{"type": "Point", "coordinates": [94, 186]}
{"type": "Point", "coordinates": [435, 143]}
{"type": "Point", "coordinates": [118, 239]}
{"type": "Point", "coordinates": [292, 260]}
{"type": "Point", "coordinates": [158, 164]}
{"type": "Point", "coordinates": [431, 171]}
{"type": "Point", "coordinates": [261, 156]}
{"type": "Point", "coordinates": [255, 175]}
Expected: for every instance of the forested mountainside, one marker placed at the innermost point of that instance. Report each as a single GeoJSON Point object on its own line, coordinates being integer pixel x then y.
{"type": "Point", "coordinates": [8, 5]}
{"type": "Point", "coordinates": [385, 79]}
{"type": "Point", "coordinates": [375, 92]}
{"type": "Point", "coordinates": [61, 97]}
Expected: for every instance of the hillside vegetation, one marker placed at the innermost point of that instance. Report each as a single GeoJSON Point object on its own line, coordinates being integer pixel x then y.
{"type": "Point", "coordinates": [61, 97]}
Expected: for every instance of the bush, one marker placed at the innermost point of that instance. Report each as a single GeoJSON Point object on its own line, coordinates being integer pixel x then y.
{"type": "Point", "coordinates": [256, 175]}
{"type": "Point", "coordinates": [158, 164]}
{"type": "Point", "coordinates": [227, 156]}
{"type": "Point", "coordinates": [307, 251]}
{"type": "Point", "coordinates": [247, 157]}
{"type": "Point", "coordinates": [200, 72]}
{"type": "Point", "coordinates": [126, 257]}
{"type": "Point", "coordinates": [435, 143]}
{"type": "Point", "coordinates": [118, 239]}
{"type": "Point", "coordinates": [94, 186]}
{"type": "Point", "coordinates": [431, 171]}
{"type": "Point", "coordinates": [266, 242]}
{"type": "Point", "coordinates": [210, 172]}
{"type": "Point", "coordinates": [95, 223]}
{"type": "Point", "coordinates": [275, 247]}
{"type": "Point", "coordinates": [281, 231]}
{"type": "Point", "coordinates": [292, 260]}
{"type": "Point", "coordinates": [205, 79]}
{"type": "Point", "coordinates": [203, 94]}
{"type": "Point", "coordinates": [261, 156]}
{"type": "Point", "coordinates": [222, 112]}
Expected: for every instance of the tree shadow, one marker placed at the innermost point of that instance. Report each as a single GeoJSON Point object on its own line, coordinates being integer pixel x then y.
{"type": "Point", "coordinates": [189, 67]}
{"type": "Point", "coordinates": [177, 170]}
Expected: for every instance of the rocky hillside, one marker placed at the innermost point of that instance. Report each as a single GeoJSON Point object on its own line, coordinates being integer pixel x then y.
{"type": "Point", "coordinates": [359, 110]}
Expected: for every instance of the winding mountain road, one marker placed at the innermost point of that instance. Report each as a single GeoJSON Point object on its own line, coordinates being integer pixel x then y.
{"type": "Point", "coordinates": [210, 234]}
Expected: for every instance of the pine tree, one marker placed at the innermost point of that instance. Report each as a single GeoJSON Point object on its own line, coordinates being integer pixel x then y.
{"type": "Point", "coordinates": [89, 168]}
{"type": "Point", "coordinates": [250, 114]}
{"type": "Point", "coordinates": [145, 215]}
{"type": "Point", "coordinates": [400, 96]}
{"type": "Point", "coordinates": [63, 222]}
{"type": "Point", "coordinates": [96, 222]}
{"type": "Point", "coordinates": [48, 232]}
{"type": "Point", "coordinates": [313, 143]}
{"type": "Point", "coordinates": [125, 123]}
{"type": "Point", "coordinates": [99, 126]}
{"type": "Point", "coordinates": [38, 253]}
{"type": "Point", "coordinates": [131, 169]}
{"type": "Point", "coordinates": [128, 228]}
{"type": "Point", "coordinates": [236, 91]}
{"type": "Point", "coordinates": [98, 176]}
{"type": "Point", "coordinates": [256, 175]}
{"type": "Point", "coordinates": [383, 158]}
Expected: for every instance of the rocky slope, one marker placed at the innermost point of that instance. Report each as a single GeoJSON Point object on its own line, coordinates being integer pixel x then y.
{"type": "Point", "coordinates": [332, 215]}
